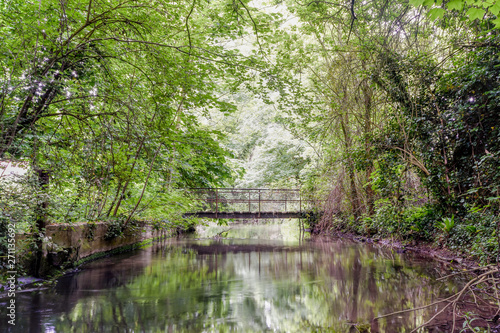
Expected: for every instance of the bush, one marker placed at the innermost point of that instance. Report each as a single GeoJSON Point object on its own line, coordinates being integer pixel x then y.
{"type": "Point", "coordinates": [475, 235]}
{"type": "Point", "coordinates": [386, 219]}
{"type": "Point", "coordinates": [116, 228]}
{"type": "Point", "coordinates": [419, 222]}
{"type": "Point", "coordinates": [311, 218]}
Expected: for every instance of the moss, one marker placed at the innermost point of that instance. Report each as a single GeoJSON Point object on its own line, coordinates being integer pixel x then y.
{"type": "Point", "coordinates": [121, 249]}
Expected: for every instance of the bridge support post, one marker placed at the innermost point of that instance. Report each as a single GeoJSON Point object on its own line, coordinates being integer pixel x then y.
{"type": "Point", "coordinates": [216, 203]}
{"type": "Point", "coordinates": [301, 222]}
{"type": "Point", "coordinates": [259, 203]}
{"type": "Point", "coordinates": [300, 204]}
{"type": "Point", "coordinates": [285, 202]}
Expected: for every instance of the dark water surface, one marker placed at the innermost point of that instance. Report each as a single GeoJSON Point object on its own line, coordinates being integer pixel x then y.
{"type": "Point", "coordinates": [267, 282]}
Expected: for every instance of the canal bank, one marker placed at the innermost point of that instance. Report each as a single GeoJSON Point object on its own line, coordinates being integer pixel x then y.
{"type": "Point", "coordinates": [452, 258]}
{"type": "Point", "coordinates": [66, 246]}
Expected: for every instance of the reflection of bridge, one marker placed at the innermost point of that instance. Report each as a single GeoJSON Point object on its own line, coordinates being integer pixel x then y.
{"type": "Point", "coordinates": [227, 203]}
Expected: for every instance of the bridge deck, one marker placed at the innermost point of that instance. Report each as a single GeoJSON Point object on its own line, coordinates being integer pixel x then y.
{"type": "Point", "coordinates": [246, 215]}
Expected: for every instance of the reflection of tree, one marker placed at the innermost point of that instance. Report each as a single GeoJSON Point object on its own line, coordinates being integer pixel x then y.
{"type": "Point", "coordinates": [325, 286]}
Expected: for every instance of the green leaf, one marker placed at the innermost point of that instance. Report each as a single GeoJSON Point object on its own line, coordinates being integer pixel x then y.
{"type": "Point", "coordinates": [428, 2]}
{"type": "Point", "coordinates": [455, 4]}
{"type": "Point", "coordinates": [436, 13]}
{"type": "Point", "coordinates": [416, 3]}
{"type": "Point", "coordinates": [497, 23]}
{"type": "Point", "coordinates": [476, 13]}
{"type": "Point", "coordinates": [495, 9]}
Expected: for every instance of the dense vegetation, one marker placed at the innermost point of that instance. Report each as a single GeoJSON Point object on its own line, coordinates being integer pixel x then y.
{"type": "Point", "coordinates": [401, 103]}
{"type": "Point", "coordinates": [105, 98]}
{"type": "Point", "coordinates": [385, 112]}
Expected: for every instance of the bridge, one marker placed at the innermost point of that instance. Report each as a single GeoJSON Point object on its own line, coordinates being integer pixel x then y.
{"type": "Point", "coordinates": [248, 203]}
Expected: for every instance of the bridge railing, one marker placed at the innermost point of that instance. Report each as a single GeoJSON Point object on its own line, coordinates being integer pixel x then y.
{"type": "Point", "coordinates": [229, 200]}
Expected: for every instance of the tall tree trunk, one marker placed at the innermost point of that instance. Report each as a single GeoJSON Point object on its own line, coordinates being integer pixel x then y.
{"type": "Point", "coordinates": [143, 188]}
{"type": "Point", "coordinates": [367, 92]}
{"type": "Point", "coordinates": [353, 191]}
{"type": "Point", "coordinates": [117, 194]}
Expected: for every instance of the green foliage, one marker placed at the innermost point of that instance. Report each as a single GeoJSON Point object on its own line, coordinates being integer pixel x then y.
{"type": "Point", "coordinates": [91, 231]}
{"type": "Point", "coordinates": [388, 176]}
{"type": "Point", "coordinates": [468, 325]}
{"type": "Point", "coordinates": [421, 222]}
{"type": "Point", "coordinates": [390, 117]}
{"type": "Point", "coordinates": [387, 219]}
{"type": "Point", "coordinates": [265, 153]}
{"type": "Point", "coordinates": [121, 226]}
{"type": "Point", "coordinates": [476, 10]}
{"type": "Point", "coordinates": [449, 123]}
{"type": "Point", "coordinates": [446, 224]}
{"type": "Point", "coordinates": [108, 97]}
{"type": "Point", "coordinates": [311, 219]}
{"type": "Point", "coordinates": [475, 235]}
{"type": "Point", "coordinates": [19, 196]}
{"type": "Point", "coordinates": [115, 228]}
{"type": "Point", "coordinates": [450, 131]}
{"type": "Point", "coordinates": [406, 127]}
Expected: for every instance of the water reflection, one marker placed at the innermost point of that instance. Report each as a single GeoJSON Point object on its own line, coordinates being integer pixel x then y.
{"type": "Point", "coordinates": [223, 285]}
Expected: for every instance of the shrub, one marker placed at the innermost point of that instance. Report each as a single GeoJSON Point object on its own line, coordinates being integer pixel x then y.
{"type": "Point", "coordinates": [419, 222]}
{"type": "Point", "coordinates": [475, 235]}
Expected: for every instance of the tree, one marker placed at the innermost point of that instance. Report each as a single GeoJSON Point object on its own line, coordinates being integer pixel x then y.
{"type": "Point", "coordinates": [106, 94]}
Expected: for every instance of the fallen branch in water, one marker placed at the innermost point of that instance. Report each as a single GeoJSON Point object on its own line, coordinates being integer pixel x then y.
{"type": "Point", "coordinates": [466, 271]}
{"type": "Point", "coordinates": [485, 282]}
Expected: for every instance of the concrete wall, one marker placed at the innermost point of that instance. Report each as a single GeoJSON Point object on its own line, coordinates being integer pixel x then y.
{"type": "Point", "coordinates": [73, 242]}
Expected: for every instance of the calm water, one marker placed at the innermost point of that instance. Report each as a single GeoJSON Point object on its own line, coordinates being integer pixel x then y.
{"type": "Point", "coordinates": [255, 279]}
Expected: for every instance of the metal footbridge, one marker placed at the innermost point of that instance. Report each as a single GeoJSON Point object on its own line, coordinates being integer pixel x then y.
{"type": "Point", "coordinates": [247, 203]}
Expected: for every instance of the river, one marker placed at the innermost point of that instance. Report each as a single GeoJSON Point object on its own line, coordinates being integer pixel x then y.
{"type": "Point", "coordinates": [252, 278]}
